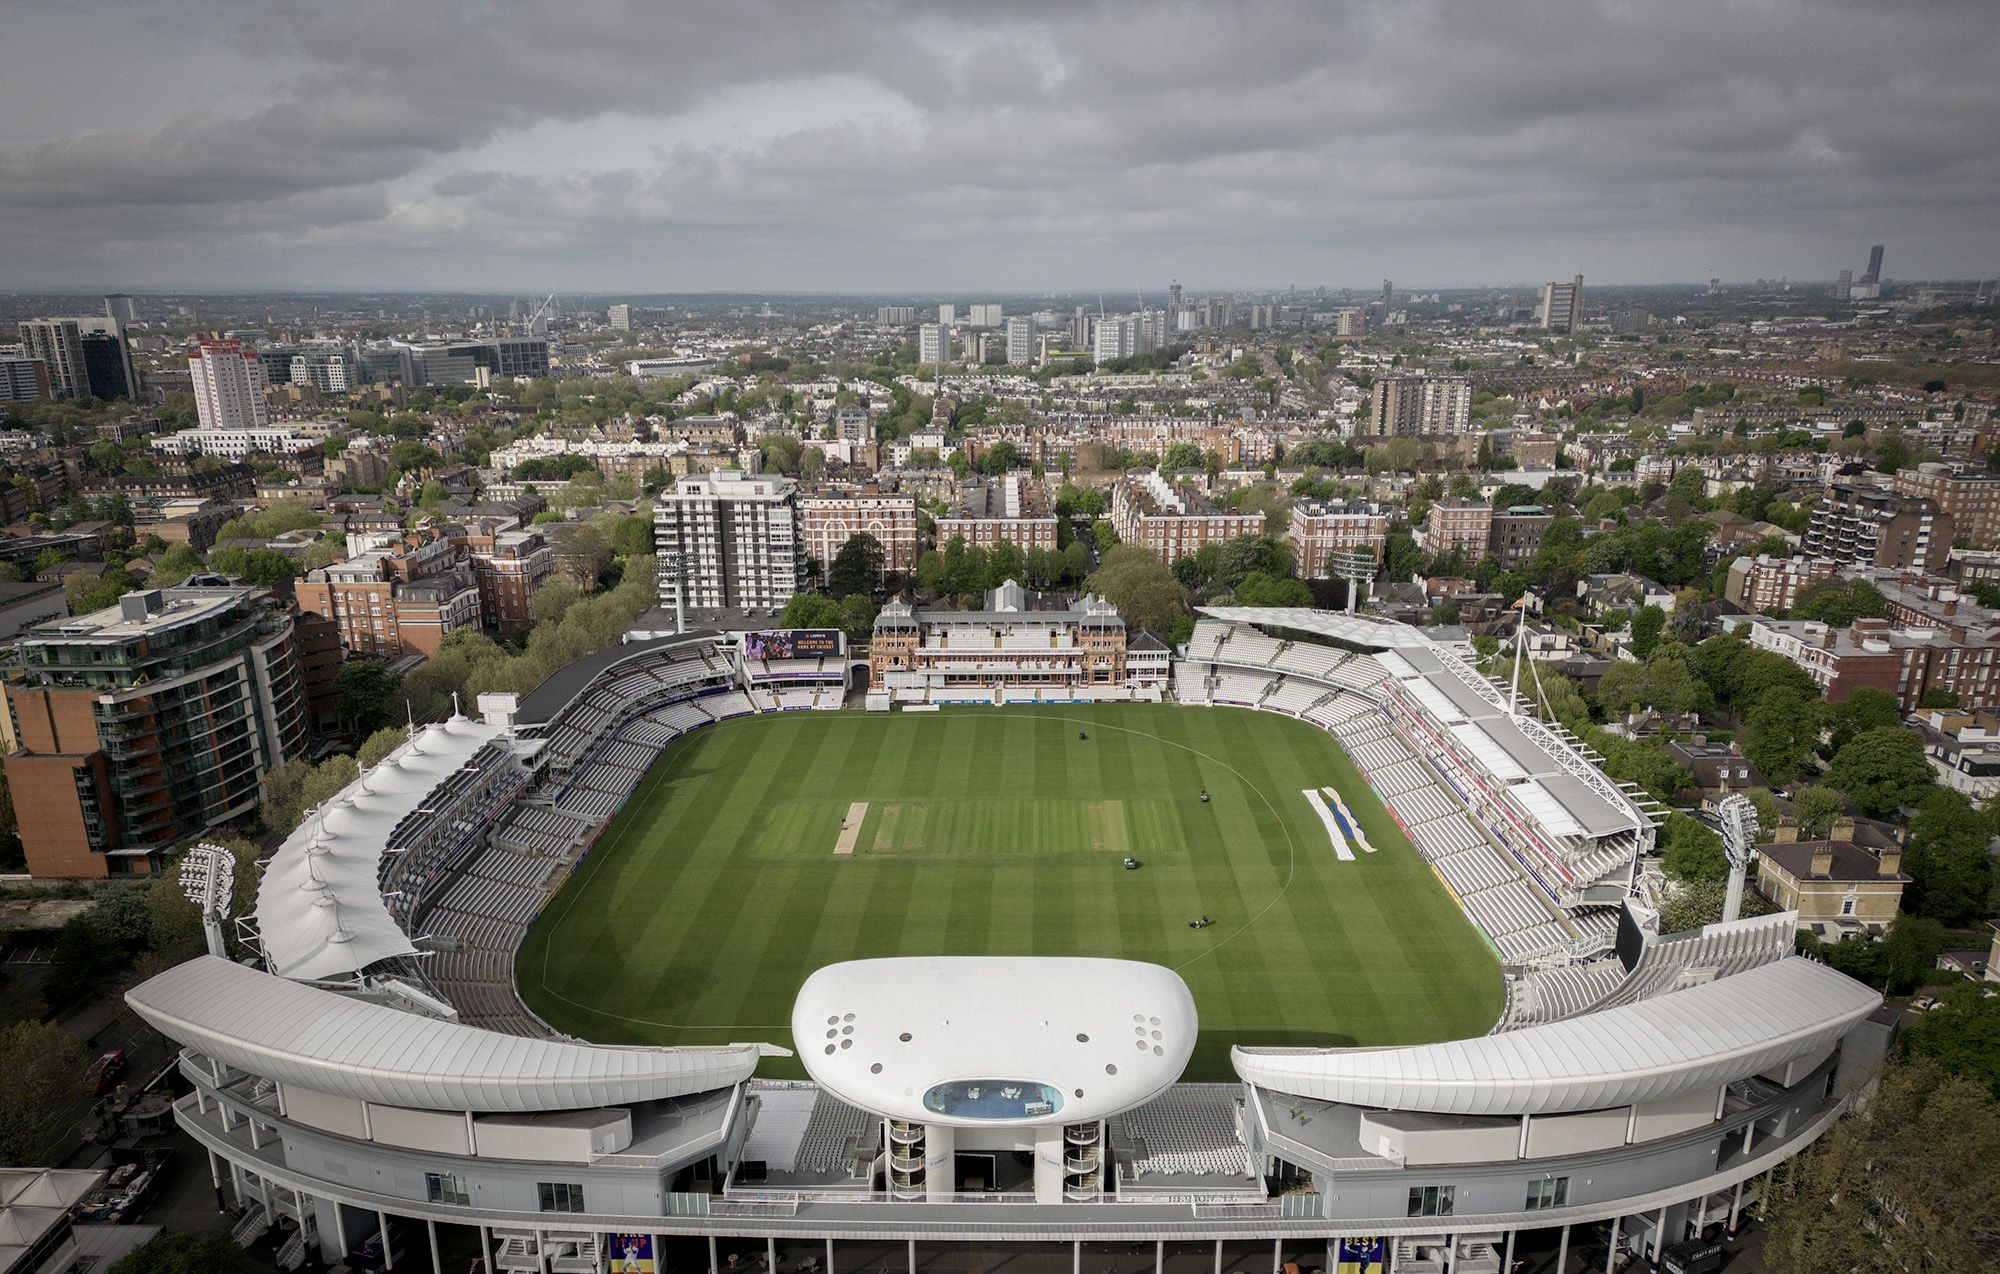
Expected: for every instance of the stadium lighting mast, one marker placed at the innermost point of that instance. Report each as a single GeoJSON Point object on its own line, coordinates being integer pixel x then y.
{"type": "Point", "coordinates": [1738, 818]}
{"type": "Point", "coordinates": [670, 567]}
{"type": "Point", "coordinates": [208, 878]}
{"type": "Point", "coordinates": [1356, 566]}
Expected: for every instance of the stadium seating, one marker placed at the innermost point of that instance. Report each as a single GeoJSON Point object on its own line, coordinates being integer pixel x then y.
{"type": "Point", "coordinates": [1342, 692]}
{"type": "Point", "coordinates": [1189, 1129]}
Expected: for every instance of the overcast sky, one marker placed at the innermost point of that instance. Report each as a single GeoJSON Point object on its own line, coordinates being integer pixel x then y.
{"type": "Point", "coordinates": [652, 146]}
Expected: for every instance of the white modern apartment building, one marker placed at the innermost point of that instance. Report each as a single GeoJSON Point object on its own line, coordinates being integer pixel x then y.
{"type": "Point", "coordinates": [729, 540]}
{"type": "Point", "coordinates": [233, 444]}
{"type": "Point", "coordinates": [988, 314]}
{"type": "Point", "coordinates": [229, 383]}
{"type": "Point", "coordinates": [58, 342]}
{"type": "Point", "coordinates": [934, 343]}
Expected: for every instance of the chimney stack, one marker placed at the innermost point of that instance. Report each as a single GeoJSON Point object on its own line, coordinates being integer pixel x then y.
{"type": "Point", "coordinates": [1822, 858]}
{"type": "Point", "coordinates": [1786, 832]}
{"type": "Point", "coordinates": [1891, 860]}
{"type": "Point", "coordinates": [1843, 828]}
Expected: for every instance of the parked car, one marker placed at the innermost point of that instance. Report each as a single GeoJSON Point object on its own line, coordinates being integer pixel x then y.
{"type": "Point", "coordinates": [1924, 1004]}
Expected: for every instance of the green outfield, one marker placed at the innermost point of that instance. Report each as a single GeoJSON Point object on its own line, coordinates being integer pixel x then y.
{"type": "Point", "coordinates": [728, 877]}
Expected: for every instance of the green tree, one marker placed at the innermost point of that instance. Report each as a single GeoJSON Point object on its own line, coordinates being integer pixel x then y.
{"type": "Point", "coordinates": [1181, 455]}
{"type": "Point", "coordinates": [369, 695]}
{"type": "Point", "coordinates": [1665, 681]}
{"type": "Point", "coordinates": [1138, 583]}
{"type": "Point", "coordinates": [381, 744]}
{"type": "Point", "coordinates": [1699, 902]}
{"type": "Point", "coordinates": [1260, 589]}
{"type": "Point", "coordinates": [1880, 770]}
{"type": "Point", "coordinates": [1814, 809]}
{"type": "Point", "coordinates": [1865, 708]}
{"type": "Point", "coordinates": [1780, 731]}
{"type": "Point", "coordinates": [43, 1064]}
{"type": "Point", "coordinates": [187, 1254]}
{"type": "Point", "coordinates": [996, 460]}
{"type": "Point", "coordinates": [1961, 1035]}
{"type": "Point", "coordinates": [810, 610]}
{"type": "Point", "coordinates": [1951, 874]}
{"type": "Point", "coordinates": [1690, 851]}
{"type": "Point", "coordinates": [1646, 626]}
{"type": "Point", "coordinates": [1839, 602]}
{"type": "Point", "coordinates": [1900, 1184]}
{"type": "Point", "coordinates": [857, 616]}
{"type": "Point", "coordinates": [174, 566]}
{"type": "Point", "coordinates": [1938, 696]}
{"type": "Point", "coordinates": [857, 567]}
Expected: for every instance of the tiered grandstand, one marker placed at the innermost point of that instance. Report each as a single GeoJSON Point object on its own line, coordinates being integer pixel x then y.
{"type": "Point", "coordinates": [1638, 1083]}
{"type": "Point", "coordinates": [1518, 824]}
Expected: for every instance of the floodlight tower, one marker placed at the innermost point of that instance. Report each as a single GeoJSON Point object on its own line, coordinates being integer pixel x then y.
{"type": "Point", "coordinates": [208, 878]}
{"type": "Point", "coordinates": [1356, 566]}
{"type": "Point", "coordinates": [1738, 818]}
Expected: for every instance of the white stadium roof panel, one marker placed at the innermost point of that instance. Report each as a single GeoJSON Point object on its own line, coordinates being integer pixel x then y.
{"type": "Point", "coordinates": [1359, 630]}
{"type": "Point", "coordinates": [1545, 808]}
{"type": "Point", "coordinates": [971, 1041]}
{"type": "Point", "coordinates": [1681, 1042]}
{"type": "Point", "coordinates": [347, 1047]}
{"type": "Point", "coordinates": [1491, 755]}
{"type": "Point", "coordinates": [320, 913]}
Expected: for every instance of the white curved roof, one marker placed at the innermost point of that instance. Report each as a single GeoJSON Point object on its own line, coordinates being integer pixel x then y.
{"type": "Point", "coordinates": [986, 1034]}
{"type": "Point", "coordinates": [319, 909]}
{"type": "Point", "coordinates": [1676, 1043]}
{"type": "Point", "coordinates": [1382, 634]}
{"type": "Point", "coordinates": [334, 1043]}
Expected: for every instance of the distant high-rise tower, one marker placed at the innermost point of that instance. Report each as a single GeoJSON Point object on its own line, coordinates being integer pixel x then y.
{"type": "Point", "coordinates": [119, 306]}
{"type": "Point", "coordinates": [1874, 274]}
{"type": "Point", "coordinates": [1846, 284]}
{"type": "Point", "coordinates": [59, 343]}
{"type": "Point", "coordinates": [1174, 299]}
{"type": "Point", "coordinates": [1562, 305]}
{"type": "Point", "coordinates": [934, 344]}
{"type": "Point", "coordinates": [229, 386]}
{"type": "Point", "coordinates": [1388, 291]}
{"type": "Point", "coordinates": [1020, 340]}
{"type": "Point", "coordinates": [947, 314]}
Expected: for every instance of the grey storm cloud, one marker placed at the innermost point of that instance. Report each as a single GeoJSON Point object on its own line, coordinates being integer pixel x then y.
{"type": "Point", "coordinates": [879, 145]}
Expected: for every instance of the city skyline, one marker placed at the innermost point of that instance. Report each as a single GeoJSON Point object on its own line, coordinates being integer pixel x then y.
{"type": "Point", "coordinates": [612, 149]}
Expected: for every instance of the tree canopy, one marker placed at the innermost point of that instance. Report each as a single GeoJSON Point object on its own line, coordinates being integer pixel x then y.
{"type": "Point", "coordinates": [1880, 770]}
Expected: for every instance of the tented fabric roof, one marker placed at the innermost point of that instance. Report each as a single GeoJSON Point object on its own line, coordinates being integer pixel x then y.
{"type": "Point", "coordinates": [319, 909]}
{"type": "Point", "coordinates": [1695, 1039]}
{"type": "Point", "coordinates": [348, 1047]}
{"type": "Point", "coordinates": [1362, 631]}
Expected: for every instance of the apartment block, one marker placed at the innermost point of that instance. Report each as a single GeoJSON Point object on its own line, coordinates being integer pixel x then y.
{"type": "Point", "coordinates": [146, 723]}
{"type": "Point", "coordinates": [1320, 527]}
{"type": "Point", "coordinates": [1862, 524]}
{"type": "Point", "coordinates": [1769, 584]}
{"type": "Point", "coordinates": [1012, 507]}
{"type": "Point", "coordinates": [731, 540]}
{"type": "Point", "coordinates": [1970, 500]}
{"type": "Point", "coordinates": [828, 520]}
{"type": "Point", "coordinates": [1410, 405]}
{"type": "Point", "coordinates": [1461, 526]}
{"type": "Point", "coordinates": [1172, 521]}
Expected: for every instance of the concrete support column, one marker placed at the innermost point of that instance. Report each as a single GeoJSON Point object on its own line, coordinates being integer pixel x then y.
{"type": "Point", "coordinates": [1049, 1152]}
{"type": "Point", "coordinates": [1218, 1257]}
{"type": "Point", "coordinates": [382, 1228]}
{"type": "Point", "coordinates": [1735, 1209]}
{"type": "Point", "coordinates": [1611, 1248]}
{"type": "Point", "coordinates": [714, 1264]}
{"type": "Point", "coordinates": [1076, 1256]}
{"type": "Point", "coordinates": [829, 1253]}
{"type": "Point", "coordinates": [486, 1247]}
{"type": "Point", "coordinates": [215, 1178]}
{"type": "Point", "coordinates": [1159, 1256]}
{"type": "Point", "coordinates": [1562, 1251]}
{"type": "Point", "coordinates": [771, 1255]}
{"type": "Point", "coordinates": [1506, 1258]}
{"type": "Point", "coordinates": [437, 1262]}
{"type": "Point", "coordinates": [913, 1256]}
{"type": "Point", "coordinates": [940, 1162]}
{"type": "Point", "coordinates": [1659, 1237]}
